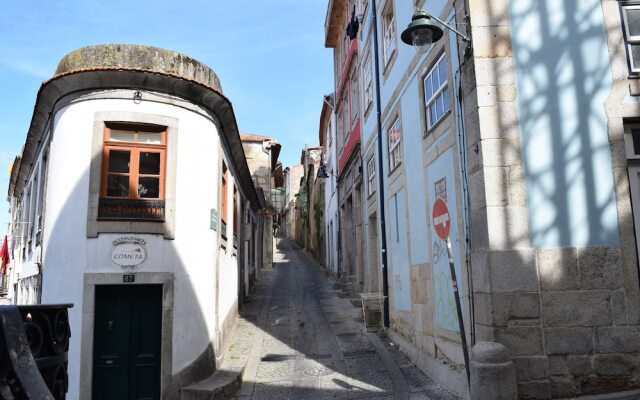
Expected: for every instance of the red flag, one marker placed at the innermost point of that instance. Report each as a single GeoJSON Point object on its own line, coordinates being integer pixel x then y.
{"type": "Point", "coordinates": [4, 255]}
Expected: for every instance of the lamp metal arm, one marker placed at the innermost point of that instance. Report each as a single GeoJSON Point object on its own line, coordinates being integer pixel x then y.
{"type": "Point", "coordinates": [463, 36]}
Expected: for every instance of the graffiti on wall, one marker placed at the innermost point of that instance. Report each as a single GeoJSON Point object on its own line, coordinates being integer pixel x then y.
{"type": "Point", "coordinates": [441, 185]}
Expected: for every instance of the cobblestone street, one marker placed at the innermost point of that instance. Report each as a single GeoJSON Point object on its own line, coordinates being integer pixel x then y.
{"type": "Point", "coordinates": [298, 340]}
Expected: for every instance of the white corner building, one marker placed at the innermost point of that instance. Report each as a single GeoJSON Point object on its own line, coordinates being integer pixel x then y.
{"type": "Point", "coordinates": [132, 199]}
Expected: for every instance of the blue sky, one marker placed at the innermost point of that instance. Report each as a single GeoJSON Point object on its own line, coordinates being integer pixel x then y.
{"type": "Point", "coordinates": [268, 54]}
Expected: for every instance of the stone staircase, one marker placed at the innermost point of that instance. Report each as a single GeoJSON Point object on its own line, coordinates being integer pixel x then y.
{"type": "Point", "coordinates": [227, 379]}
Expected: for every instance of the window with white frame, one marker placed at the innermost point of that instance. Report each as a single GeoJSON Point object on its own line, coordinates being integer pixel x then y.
{"type": "Point", "coordinates": [632, 144]}
{"type": "Point", "coordinates": [395, 138]}
{"type": "Point", "coordinates": [436, 92]}
{"type": "Point", "coordinates": [631, 16]}
{"type": "Point", "coordinates": [344, 114]}
{"type": "Point", "coordinates": [32, 208]}
{"type": "Point", "coordinates": [371, 176]}
{"type": "Point", "coordinates": [345, 50]}
{"type": "Point", "coordinates": [368, 84]}
{"type": "Point", "coordinates": [388, 33]}
{"type": "Point", "coordinates": [354, 101]}
{"type": "Point", "coordinates": [28, 215]}
{"type": "Point", "coordinates": [40, 204]}
{"type": "Point", "coordinates": [339, 127]}
{"type": "Point", "coordinates": [362, 8]}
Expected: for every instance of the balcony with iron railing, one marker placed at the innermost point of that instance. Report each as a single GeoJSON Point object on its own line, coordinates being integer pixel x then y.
{"type": "Point", "coordinates": [131, 209]}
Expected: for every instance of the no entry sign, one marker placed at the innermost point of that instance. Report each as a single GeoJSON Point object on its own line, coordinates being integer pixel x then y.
{"type": "Point", "coordinates": [441, 219]}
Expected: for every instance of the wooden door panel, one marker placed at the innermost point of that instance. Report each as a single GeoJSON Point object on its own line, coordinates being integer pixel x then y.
{"type": "Point", "coordinates": [127, 335]}
{"type": "Point", "coordinates": [146, 310]}
{"type": "Point", "coordinates": [111, 344]}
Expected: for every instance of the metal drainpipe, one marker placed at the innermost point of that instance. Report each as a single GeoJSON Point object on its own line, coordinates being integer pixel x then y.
{"type": "Point", "coordinates": [383, 229]}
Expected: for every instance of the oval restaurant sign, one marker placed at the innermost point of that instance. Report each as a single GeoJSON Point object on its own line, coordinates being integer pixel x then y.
{"type": "Point", "coordinates": [128, 251]}
{"type": "Point", "coordinates": [441, 219]}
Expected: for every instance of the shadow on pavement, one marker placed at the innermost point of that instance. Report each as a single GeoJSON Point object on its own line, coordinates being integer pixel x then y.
{"type": "Point", "coordinates": [298, 340]}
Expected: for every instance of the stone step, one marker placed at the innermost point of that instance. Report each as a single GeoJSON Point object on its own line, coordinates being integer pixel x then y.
{"type": "Point", "coordinates": [222, 385]}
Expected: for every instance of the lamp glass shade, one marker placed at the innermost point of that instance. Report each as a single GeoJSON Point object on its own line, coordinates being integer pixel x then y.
{"type": "Point", "coordinates": [421, 39]}
{"type": "Point", "coordinates": [322, 172]}
{"type": "Point", "coordinates": [422, 31]}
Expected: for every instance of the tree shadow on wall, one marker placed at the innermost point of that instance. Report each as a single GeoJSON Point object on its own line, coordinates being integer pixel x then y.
{"type": "Point", "coordinates": [563, 68]}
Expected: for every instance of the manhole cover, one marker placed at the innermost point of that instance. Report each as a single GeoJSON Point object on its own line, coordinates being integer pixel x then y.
{"type": "Point", "coordinates": [318, 371]}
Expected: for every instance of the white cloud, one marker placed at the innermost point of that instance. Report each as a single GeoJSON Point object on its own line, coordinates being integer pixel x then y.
{"type": "Point", "coordinates": [28, 67]}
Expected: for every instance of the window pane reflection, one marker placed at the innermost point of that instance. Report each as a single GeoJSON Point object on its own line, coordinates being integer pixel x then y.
{"type": "Point", "coordinates": [119, 161]}
{"type": "Point", "coordinates": [150, 137]}
{"type": "Point", "coordinates": [117, 135]}
{"type": "Point", "coordinates": [633, 21]}
{"type": "Point", "coordinates": [149, 163]}
{"type": "Point", "coordinates": [118, 186]}
{"type": "Point", "coordinates": [148, 188]}
{"type": "Point", "coordinates": [635, 57]}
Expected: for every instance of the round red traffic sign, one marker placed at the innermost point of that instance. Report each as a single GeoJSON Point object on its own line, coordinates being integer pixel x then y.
{"type": "Point", "coordinates": [441, 219]}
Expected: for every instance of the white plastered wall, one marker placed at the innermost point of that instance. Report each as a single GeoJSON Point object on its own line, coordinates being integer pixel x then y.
{"type": "Point", "coordinates": [191, 257]}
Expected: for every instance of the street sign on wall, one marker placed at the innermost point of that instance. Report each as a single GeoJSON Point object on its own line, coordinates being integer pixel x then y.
{"type": "Point", "coordinates": [213, 223]}
{"type": "Point", "coordinates": [441, 219]}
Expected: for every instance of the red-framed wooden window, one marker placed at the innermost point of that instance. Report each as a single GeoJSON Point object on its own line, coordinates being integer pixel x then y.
{"type": "Point", "coordinates": [132, 180]}
{"type": "Point", "coordinates": [223, 205]}
{"type": "Point", "coordinates": [134, 162]}
{"type": "Point", "coordinates": [235, 216]}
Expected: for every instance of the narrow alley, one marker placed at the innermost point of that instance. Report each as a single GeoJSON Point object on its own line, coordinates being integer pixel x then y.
{"type": "Point", "coordinates": [298, 340]}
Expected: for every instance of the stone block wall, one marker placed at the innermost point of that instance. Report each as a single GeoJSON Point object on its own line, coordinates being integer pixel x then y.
{"type": "Point", "coordinates": [569, 316]}
{"type": "Point", "coordinates": [572, 334]}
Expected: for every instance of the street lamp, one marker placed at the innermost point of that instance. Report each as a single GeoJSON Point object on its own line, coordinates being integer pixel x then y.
{"type": "Point", "coordinates": [425, 29]}
{"type": "Point", "coordinates": [421, 32]}
{"type": "Point", "coordinates": [323, 173]}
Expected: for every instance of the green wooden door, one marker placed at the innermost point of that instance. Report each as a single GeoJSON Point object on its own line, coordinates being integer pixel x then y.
{"type": "Point", "coordinates": [126, 345]}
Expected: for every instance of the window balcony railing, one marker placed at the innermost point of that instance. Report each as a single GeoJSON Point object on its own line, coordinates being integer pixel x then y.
{"type": "Point", "coordinates": [128, 209]}
{"type": "Point", "coordinates": [33, 351]}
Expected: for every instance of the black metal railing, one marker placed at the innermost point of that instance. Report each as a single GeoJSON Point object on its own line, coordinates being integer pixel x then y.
{"type": "Point", "coordinates": [34, 341]}
{"type": "Point", "coordinates": [223, 229]}
{"type": "Point", "coordinates": [119, 209]}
